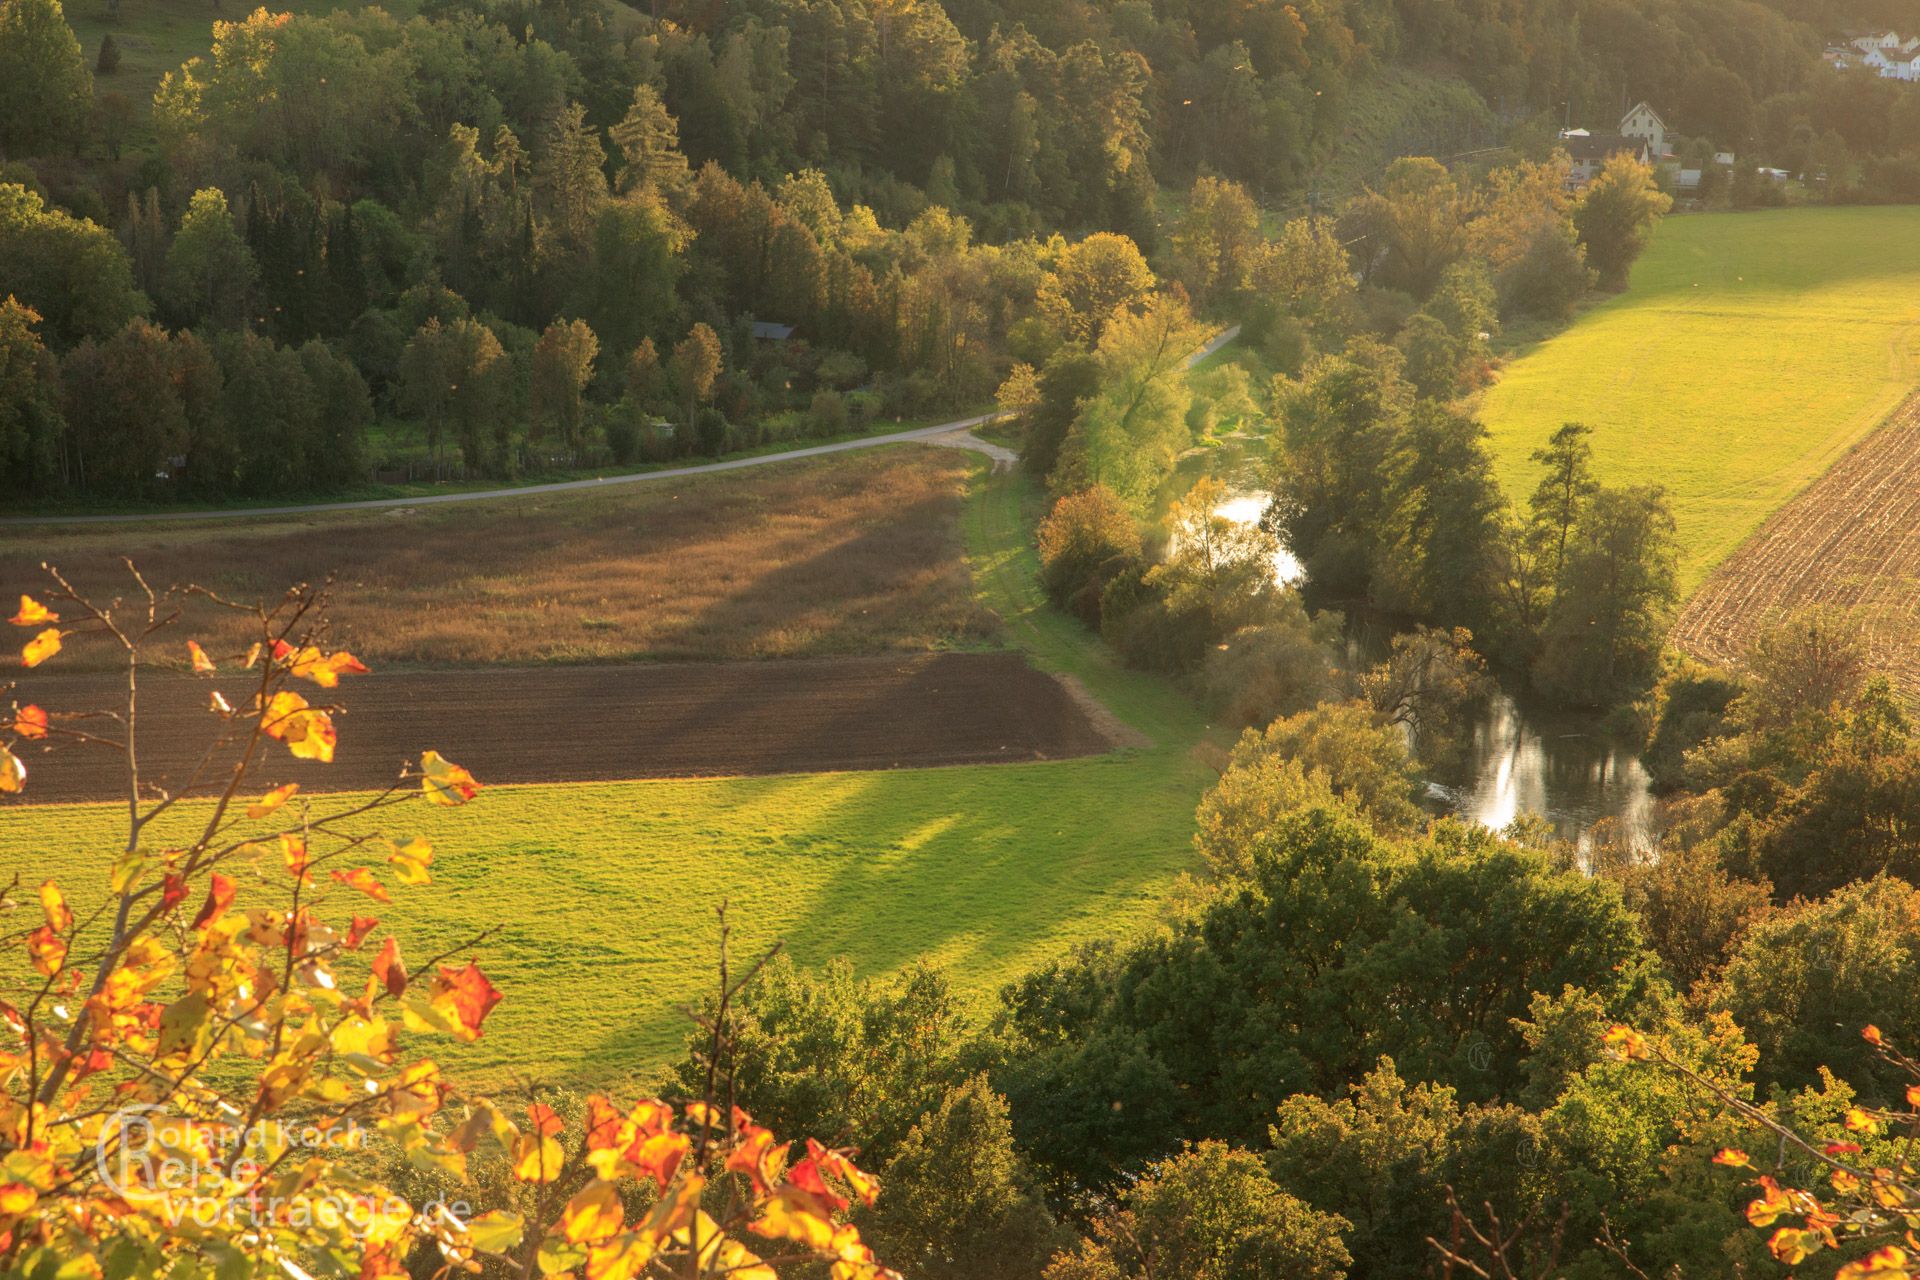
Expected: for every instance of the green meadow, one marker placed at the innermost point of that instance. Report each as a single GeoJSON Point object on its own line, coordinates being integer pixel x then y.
{"type": "Point", "coordinates": [604, 893]}
{"type": "Point", "coordinates": [1749, 352]}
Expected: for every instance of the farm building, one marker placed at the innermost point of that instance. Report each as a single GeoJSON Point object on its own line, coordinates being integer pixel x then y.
{"type": "Point", "coordinates": [1590, 151]}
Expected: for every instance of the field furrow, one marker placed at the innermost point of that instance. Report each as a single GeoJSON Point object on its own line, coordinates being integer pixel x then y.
{"type": "Point", "coordinates": [1851, 541]}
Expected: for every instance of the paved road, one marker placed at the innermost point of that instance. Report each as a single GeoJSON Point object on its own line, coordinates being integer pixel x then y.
{"type": "Point", "coordinates": [958, 431]}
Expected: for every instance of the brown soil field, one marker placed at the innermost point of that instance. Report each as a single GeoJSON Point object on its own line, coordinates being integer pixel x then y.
{"type": "Point", "coordinates": [854, 553]}
{"type": "Point", "coordinates": [598, 723]}
{"type": "Point", "coordinates": [1850, 541]}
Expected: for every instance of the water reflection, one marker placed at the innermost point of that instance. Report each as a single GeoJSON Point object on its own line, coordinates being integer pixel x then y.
{"type": "Point", "coordinates": [1245, 508]}
{"type": "Point", "coordinates": [1562, 767]}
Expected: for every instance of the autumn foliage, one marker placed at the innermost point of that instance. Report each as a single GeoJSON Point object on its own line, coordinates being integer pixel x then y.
{"type": "Point", "coordinates": [202, 1049]}
{"type": "Point", "coordinates": [1869, 1210]}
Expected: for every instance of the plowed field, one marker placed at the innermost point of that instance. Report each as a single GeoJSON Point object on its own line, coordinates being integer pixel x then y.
{"type": "Point", "coordinates": [1850, 541]}
{"type": "Point", "coordinates": [581, 724]}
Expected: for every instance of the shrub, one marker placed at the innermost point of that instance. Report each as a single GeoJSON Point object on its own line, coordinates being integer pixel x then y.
{"type": "Point", "coordinates": [1083, 541]}
{"type": "Point", "coordinates": [827, 415]}
{"type": "Point", "coordinates": [1261, 673]}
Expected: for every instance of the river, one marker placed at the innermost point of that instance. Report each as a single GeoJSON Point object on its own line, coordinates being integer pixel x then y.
{"type": "Point", "coordinates": [1564, 767]}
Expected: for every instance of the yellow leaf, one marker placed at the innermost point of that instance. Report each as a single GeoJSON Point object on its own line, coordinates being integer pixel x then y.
{"type": "Point", "coordinates": [496, 1232]}
{"type": "Point", "coordinates": [593, 1214]}
{"type": "Point", "coordinates": [219, 705]}
{"type": "Point", "coordinates": [33, 614]}
{"type": "Point", "coordinates": [41, 647]}
{"type": "Point", "coordinates": [411, 860]}
{"type": "Point", "coordinates": [54, 904]}
{"type": "Point", "coordinates": [537, 1158]}
{"type": "Point", "coordinates": [1861, 1121]}
{"type": "Point", "coordinates": [202, 664]}
{"type": "Point", "coordinates": [13, 773]}
{"type": "Point", "coordinates": [445, 782]}
{"type": "Point", "coordinates": [307, 731]}
{"type": "Point", "coordinates": [267, 803]}
{"type": "Point", "coordinates": [294, 850]}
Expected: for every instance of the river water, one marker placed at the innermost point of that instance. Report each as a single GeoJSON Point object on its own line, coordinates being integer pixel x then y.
{"type": "Point", "coordinates": [1562, 767]}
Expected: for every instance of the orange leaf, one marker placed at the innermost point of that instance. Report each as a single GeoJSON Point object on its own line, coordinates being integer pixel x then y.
{"type": "Point", "coordinates": [13, 772]}
{"type": "Point", "coordinates": [219, 897]}
{"type": "Point", "coordinates": [267, 803]}
{"type": "Point", "coordinates": [1625, 1041]}
{"type": "Point", "coordinates": [202, 664]}
{"type": "Point", "coordinates": [1733, 1157]}
{"type": "Point", "coordinates": [1772, 1203]}
{"type": "Point", "coordinates": [48, 949]}
{"type": "Point", "coordinates": [389, 969]}
{"type": "Point", "coordinates": [54, 904]}
{"type": "Point", "coordinates": [362, 879]}
{"type": "Point", "coordinates": [293, 849]}
{"type": "Point", "coordinates": [33, 614]}
{"type": "Point", "coordinates": [357, 932]}
{"type": "Point", "coordinates": [546, 1122]}
{"type": "Point", "coordinates": [468, 995]}
{"type": "Point", "coordinates": [660, 1155]}
{"type": "Point", "coordinates": [30, 722]}
{"type": "Point", "coordinates": [445, 782]}
{"type": "Point", "coordinates": [1889, 1263]}
{"type": "Point", "coordinates": [1871, 1034]}
{"type": "Point", "coordinates": [41, 647]}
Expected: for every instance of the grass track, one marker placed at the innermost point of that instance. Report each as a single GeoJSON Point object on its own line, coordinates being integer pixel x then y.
{"type": "Point", "coordinates": [605, 890]}
{"type": "Point", "coordinates": [1750, 352]}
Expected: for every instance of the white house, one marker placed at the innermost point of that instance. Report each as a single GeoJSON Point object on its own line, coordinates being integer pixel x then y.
{"type": "Point", "coordinates": [1644, 122]}
{"type": "Point", "coordinates": [1888, 54]}
{"type": "Point", "coordinates": [1589, 153]}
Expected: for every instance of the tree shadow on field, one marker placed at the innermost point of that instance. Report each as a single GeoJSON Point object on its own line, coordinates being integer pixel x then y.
{"type": "Point", "coordinates": [985, 873]}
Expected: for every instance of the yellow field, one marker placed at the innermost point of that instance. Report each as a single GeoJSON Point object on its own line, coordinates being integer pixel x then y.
{"type": "Point", "coordinates": [1750, 352]}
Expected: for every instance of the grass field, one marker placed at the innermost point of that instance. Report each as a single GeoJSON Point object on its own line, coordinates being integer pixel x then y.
{"type": "Point", "coordinates": [854, 553]}
{"type": "Point", "coordinates": [157, 36]}
{"type": "Point", "coordinates": [605, 891]}
{"type": "Point", "coordinates": [1749, 353]}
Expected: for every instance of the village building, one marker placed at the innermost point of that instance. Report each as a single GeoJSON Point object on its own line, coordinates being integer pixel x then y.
{"type": "Point", "coordinates": [1641, 134]}
{"type": "Point", "coordinates": [1644, 122]}
{"type": "Point", "coordinates": [1887, 54]}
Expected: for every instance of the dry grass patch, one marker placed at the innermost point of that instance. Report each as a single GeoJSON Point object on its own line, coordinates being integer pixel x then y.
{"type": "Point", "coordinates": [857, 553]}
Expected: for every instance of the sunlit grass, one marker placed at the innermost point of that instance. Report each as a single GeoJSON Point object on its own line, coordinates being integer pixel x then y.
{"type": "Point", "coordinates": [1749, 353]}
{"type": "Point", "coordinates": [604, 892]}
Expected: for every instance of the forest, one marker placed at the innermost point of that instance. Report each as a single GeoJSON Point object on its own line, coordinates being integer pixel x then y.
{"type": "Point", "coordinates": [511, 240]}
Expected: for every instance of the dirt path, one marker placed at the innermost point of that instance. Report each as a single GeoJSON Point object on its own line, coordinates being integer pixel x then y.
{"type": "Point", "coordinates": [588, 723]}
{"type": "Point", "coordinates": [957, 434]}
